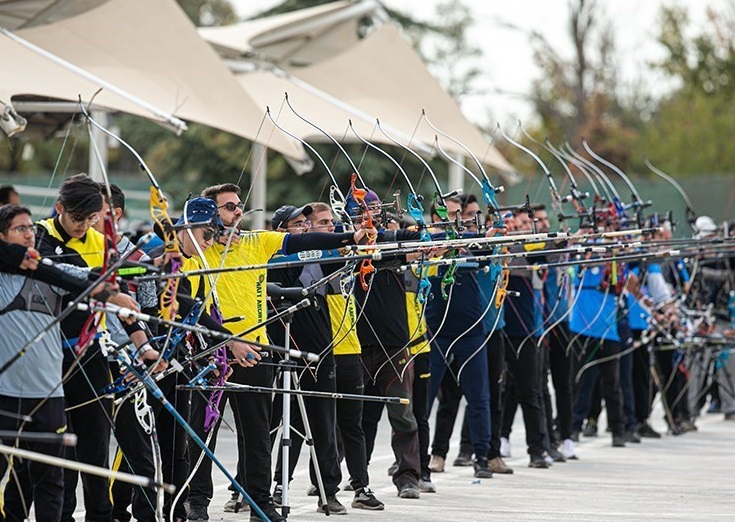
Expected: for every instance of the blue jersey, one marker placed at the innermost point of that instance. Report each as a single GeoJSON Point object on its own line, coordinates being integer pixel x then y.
{"type": "Point", "coordinates": [595, 311]}
{"type": "Point", "coordinates": [637, 315]}
{"type": "Point", "coordinates": [487, 282]}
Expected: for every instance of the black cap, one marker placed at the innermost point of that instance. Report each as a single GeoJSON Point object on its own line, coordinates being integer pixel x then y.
{"type": "Point", "coordinates": [288, 212]}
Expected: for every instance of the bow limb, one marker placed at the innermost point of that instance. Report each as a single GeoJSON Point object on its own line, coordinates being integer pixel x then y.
{"type": "Point", "coordinates": [440, 207]}
{"type": "Point", "coordinates": [690, 212]}
{"type": "Point", "coordinates": [638, 204]}
{"type": "Point", "coordinates": [338, 201]}
{"type": "Point", "coordinates": [415, 209]}
{"type": "Point", "coordinates": [488, 190]}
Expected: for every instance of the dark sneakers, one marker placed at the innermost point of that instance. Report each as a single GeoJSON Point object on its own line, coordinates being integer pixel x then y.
{"type": "Point", "coordinates": [632, 436]}
{"type": "Point", "coordinates": [618, 441]}
{"type": "Point", "coordinates": [334, 505]}
{"type": "Point", "coordinates": [197, 513]}
{"type": "Point", "coordinates": [645, 430]}
{"type": "Point", "coordinates": [409, 490]}
{"type": "Point", "coordinates": [365, 499]}
{"type": "Point", "coordinates": [590, 429]}
{"type": "Point", "coordinates": [556, 455]}
{"type": "Point", "coordinates": [538, 461]}
{"type": "Point", "coordinates": [269, 509]}
{"type": "Point", "coordinates": [463, 459]}
{"type": "Point", "coordinates": [482, 468]}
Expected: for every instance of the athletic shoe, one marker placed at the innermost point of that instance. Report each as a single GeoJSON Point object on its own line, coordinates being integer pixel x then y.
{"type": "Point", "coordinates": [538, 461]}
{"type": "Point", "coordinates": [497, 465]}
{"type": "Point", "coordinates": [688, 426]}
{"type": "Point", "coordinates": [197, 512]}
{"type": "Point", "coordinates": [312, 491]}
{"type": "Point", "coordinates": [269, 510]}
{"type": "Point", "coordinates": [569, 450]}
{"type": "Point", "coordinates": [618, 441]}
{"type": "Point", "coordinates": [482, 470]}
{"type": "Point", "coordinates": [590, 429]}
{"type": "Point", "coordinates": [334, 505]}
{"type": "Point", "coordinates": [463, 459]}
{"type": "Point", "coordinates": [548, 458]}
{"type": "Point", "coordinates": [714, 407]}
{"type": "Point", "coordinates": [278, 495]}
{"type": "Point", "coordinates": [426, 485]}
{"type": "Point", "coordinates": [504, 447]}
{"type": "Point", "coordinates": [234, 504]}
{"type": "Point", "coordinates": [646, 431]}
{"type": "Point", "coordinates": [436, 465]}
{"type": "Point", "coordinates": [556, 455]}
{"type": "Point", "coordinates": [392, 469]}
{"type": "Point", "coordinates": [409, 490]}
{"type": "Point", "coordinates": [365, 499]}
{"type": "Point", "coordinates": [632, 436]}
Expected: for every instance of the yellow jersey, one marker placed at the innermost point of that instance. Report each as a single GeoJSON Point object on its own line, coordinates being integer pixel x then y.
{"type": "Point", "coordinates": [418, 342]}
{"type": "Point", "coordinates": [243, 294]}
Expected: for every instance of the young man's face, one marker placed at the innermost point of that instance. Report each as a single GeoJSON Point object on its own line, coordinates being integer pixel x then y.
{"type": "Point", "coordinates": [202, 236]}
{"type": "Point", "coordinates": [230, 208]}
{"type": "Point", "coordinates": [470, 211]}
{"type": "Point", "coordinates": [297, 225]}
{"type": "Point", "coordinates": [21, 231]}
{"type": "Point", "coordinates": [321, 221]}
{"type": "Point", "coordinates": [116, 215]}
{"type": "Point", "coordinates": [453, 209]}
{"type": "Point", "coordinates": [542, 221]}
{"type": "Point", "coordinates": [73, 226]}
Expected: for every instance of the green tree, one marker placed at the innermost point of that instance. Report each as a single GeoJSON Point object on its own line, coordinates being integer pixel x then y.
{"type": "Point", "coordinates": [689, 130]}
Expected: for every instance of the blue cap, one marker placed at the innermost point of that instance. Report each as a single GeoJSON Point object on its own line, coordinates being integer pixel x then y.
{"type": "Point", "coordinates": [353, 207]}
{"type": "Point", "coordinates": [200, 211]}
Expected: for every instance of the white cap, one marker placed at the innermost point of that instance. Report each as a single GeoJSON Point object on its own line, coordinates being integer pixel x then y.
{"type": "Point", "coordinates": [704, 226]}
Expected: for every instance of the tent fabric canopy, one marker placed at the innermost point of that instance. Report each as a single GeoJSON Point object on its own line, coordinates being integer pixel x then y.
{"type": "Point", "coordinates": [158, 58]}
{"type": "Point", "coordinates": [299, 37]}
{"type": "Point", "coordinates": [378, 76]}
{"type": "Point", "coordinates": [20, 14]}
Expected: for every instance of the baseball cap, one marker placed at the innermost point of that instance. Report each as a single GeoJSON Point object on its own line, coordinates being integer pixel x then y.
{"type": "Point", "coordinates": [704, 226]}
{"type": "Point", "coordinates": [353, 207]}
{"type": "Point", "coordinates": [200, 210]}
{"type": "Point", "coordinates": [286, 213]}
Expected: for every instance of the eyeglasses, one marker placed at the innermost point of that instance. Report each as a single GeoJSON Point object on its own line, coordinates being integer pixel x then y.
{"type": "Point", "coordinates": [209, 233]}
{"type": "Point", "coordinates": [302, 223]}
{"type": "Point", "coordinates": [89, 220]}
{"type": "Point", "coordinates": [231, 207]}
{"type": "Point", "coordinates": [22, 229]}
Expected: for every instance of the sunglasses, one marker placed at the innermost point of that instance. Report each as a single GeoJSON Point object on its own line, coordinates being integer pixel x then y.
{"type": "Point", "coordinates": [209, 233]}
{"type": "Point", "coordinates": [231, 207]}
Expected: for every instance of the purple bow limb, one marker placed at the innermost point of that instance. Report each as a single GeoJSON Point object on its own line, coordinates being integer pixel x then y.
{"type": "Point", "coordinates": [212, 412]}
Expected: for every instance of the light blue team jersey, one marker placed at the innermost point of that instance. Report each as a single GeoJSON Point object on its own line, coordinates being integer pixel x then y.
{"type": "Point", "coordinates": [637, 315]}
{"type": "Point", "coordinates": [595, 312]}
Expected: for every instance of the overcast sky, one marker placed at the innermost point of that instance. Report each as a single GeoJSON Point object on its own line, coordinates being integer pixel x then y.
{"type": "Point", "coordinates": [508, 68]}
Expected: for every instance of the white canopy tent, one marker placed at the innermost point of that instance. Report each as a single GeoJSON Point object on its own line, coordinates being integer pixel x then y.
{"type": "Point", "coordinates": [150, 50]}
{"type": "Point", "coordinates": [333, 73]}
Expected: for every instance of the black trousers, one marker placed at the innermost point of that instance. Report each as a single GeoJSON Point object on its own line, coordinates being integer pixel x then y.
{"type": "Point", "coordinates": [252, 412]}
{"type": "Point", "coordinates": [135, 453]}
{"type": "Point", "coordinates": [349, 419]}
{"type": "Point", "coordinates": [32, 482]}
{"type": "Point", "coordinates": [609, 376]}
{"type": "Point", "coordinates": [559, 363]}
{"type": "Point", "coordinates": [388, 373]}
{"type": "Point", "coordinates": [92, 424]}
{"type": "Point", "coordinates": [322, 415]}
{"type": "Point", "coordinates": [421, 378]}
{"type": "Point", "coordinates": [524, 367]}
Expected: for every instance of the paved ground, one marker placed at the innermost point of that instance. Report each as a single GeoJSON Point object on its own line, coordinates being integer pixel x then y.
{"type": "Point", "coordinates": [673, 478]}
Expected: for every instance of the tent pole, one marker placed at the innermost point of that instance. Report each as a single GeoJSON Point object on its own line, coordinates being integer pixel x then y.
{"type": "Point", "coordinates": [98, 159]}
{"type": "Point", "coordinates": [456, 176]}
{"type": "Point", "coordinates": [259, 183]}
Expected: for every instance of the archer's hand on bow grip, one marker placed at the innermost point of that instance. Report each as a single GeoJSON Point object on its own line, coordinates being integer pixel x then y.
{"type": "Point", "coordinates": [366, 266]}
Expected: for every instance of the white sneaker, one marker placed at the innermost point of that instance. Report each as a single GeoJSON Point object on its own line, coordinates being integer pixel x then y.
{"type": "Point", "coordinates": [504, 447]}
{"type": "Point", "coordinates": [568, 449]}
